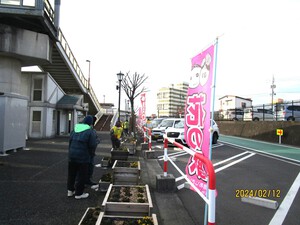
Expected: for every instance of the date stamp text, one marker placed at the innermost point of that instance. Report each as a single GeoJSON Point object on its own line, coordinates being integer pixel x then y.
{"type": "Point", "coordinates": [260, 193]}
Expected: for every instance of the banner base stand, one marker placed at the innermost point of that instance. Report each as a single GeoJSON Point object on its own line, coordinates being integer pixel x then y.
{"type": "Point", "coordinates": [267, 203]}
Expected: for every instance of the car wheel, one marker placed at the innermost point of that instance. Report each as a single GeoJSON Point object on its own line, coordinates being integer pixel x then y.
{"type": "Point", "coordinates": [215, 138]}
{"type": "Point", "coordinates": [255, 119]}
{"type": "Point", "coordinates": [290, 118]}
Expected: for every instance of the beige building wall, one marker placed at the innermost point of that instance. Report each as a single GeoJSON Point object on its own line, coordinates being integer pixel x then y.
{"type": "Point", "coordinates": [171, 100]}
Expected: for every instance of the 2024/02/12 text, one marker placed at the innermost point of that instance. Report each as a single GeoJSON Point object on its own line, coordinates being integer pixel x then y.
{"type": "Point", "coordinates": [260, 193]}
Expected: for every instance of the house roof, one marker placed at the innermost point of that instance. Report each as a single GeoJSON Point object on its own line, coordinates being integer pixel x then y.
{"type": "Point", "coordinates": [234, 96]}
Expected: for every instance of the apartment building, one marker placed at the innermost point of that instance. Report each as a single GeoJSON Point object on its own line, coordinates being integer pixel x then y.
{"type": "Point", "coordinates": [171, 100]}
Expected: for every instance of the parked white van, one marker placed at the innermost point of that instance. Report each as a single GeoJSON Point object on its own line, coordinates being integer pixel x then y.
{"type": "Point", "coordinates": [287, 112]}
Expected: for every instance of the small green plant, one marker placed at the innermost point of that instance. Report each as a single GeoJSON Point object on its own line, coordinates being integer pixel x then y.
{"type": "Point", "coordinates": [141, 200]}
{"type": "Point", "coordinates": [130, 139]}
{"type": "Point", "coordinates": [123, 148]}
{"type": "Point", "coordinates": [134, 164]}
{"type": "Point", "coordinates": [140, 195]}
{"type": "Point", "coordinates": [115, 196]}
{"type": "Point", "coordinates": [145, 221]}
{"type": "Point", "coordinates": [107, 177]}
{"type": "Point", "coordinates": [127, 191]}
{"type": "Point", "coordinates": [125, 199]}
{"type": "Point", "coordinates": [141, 190]}
{"type": "Point", "coordinates": [91, 216]}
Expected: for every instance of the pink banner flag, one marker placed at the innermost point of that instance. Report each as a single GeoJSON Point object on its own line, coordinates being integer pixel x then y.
{"type": "Point", "coordinates": [139, 121]}
{"type": "Point", "coordinates": [197, 115]}
{"type": "Point", "coordinates": [143, 108]}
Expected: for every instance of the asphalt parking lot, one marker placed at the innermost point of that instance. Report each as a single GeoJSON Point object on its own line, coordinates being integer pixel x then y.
{"type": "Point", "coordinates": [266, 170]}
{"type": "Point", "coordinates": [33, 185]}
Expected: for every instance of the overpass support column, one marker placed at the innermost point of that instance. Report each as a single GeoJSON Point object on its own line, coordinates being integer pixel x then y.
{"type": "Point", "coordinates": [18, 47]}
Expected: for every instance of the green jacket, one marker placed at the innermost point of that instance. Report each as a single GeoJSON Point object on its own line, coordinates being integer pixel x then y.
{"type": "Point", "coordinates": [82, 143]}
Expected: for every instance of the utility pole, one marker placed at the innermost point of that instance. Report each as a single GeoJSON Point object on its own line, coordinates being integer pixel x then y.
{"type": "Point", "coordinates": [273, 86]}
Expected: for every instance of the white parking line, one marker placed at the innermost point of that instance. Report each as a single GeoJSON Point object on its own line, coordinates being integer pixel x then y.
{"type": "Point", "coordinates": [218, 163]}
{"type": "Point", "coordinates": [235, 162]}
{"type": "Point", "coordinates": [284, 207]}
{"type": "Point", "coordinates": [233, 157]}
{"type": "Point", "coordinates": [173, 155]}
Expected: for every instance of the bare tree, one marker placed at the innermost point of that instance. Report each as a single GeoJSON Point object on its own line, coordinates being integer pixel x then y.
{"type": "Point", "coordinates": [132, 85]}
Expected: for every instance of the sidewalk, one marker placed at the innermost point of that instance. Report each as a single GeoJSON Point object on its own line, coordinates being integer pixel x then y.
{"type": "Point", "coordinates": [33, 186]}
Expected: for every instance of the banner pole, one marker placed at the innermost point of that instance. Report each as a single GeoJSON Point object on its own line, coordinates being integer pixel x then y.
{"type": "Point", "coordinates": [212, 117]}
{"type": "Point", "coordinates": [213, 95]}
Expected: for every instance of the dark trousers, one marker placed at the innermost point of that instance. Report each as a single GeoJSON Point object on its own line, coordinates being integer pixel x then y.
{"type": "Point", "coordinates": [126, 131]}
{"type": "Point", "coordinates": [90, 171]}
{"type": "Point", "coordinates": [77, 175]}
{"type": "Point", "coordinates": [115, 142]}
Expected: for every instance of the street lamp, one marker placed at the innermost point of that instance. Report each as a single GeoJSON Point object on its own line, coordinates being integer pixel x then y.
{"type": "Point", "coordinates": [89, 74]}
{"type": "Point", "coordinates": [120, 78]}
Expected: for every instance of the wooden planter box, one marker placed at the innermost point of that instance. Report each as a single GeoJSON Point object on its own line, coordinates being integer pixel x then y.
{"type": "Point", "coordinates": [122, 173]}
{"type": "Point", "coordinates": [119, 154]}
{"type": "Point", "coordinates": [131, 147]}
{"type": "Point", "coordinates": [102, 218]}
{"type": "Point", "coordinates": [105, 181]}
{"type": "Point", "coordinates": [91, 216]}
{"type": "Point", "coordinates": [105, 162]}
{"type": "Point", "coordinates": [131, 208]}
{"type": "Point", "coordinates": [103, 186]}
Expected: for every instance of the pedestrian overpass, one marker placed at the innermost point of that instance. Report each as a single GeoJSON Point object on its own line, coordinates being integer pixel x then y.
{"type": "Point", "coordinates": [42, 17]}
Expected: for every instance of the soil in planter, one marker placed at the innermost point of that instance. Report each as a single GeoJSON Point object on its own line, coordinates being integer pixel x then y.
{"type": "Point", "coordinates": [128, 194]}
{"type": "Point", "coordinates": [127, 221]}
{"type": "Point", "coordinates": [91, 217]}
{"type": "Point", "coordinates": [127, 164]}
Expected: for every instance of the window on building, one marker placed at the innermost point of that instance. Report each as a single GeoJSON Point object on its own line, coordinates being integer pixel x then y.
{"type": "Point", "coordinates": [165, 95]}
{"type": "Point", "coordinates": [243, 104]}
{"type": "Point", "coordinates": [36, 121]}
{"type": "Point", "coordinates": [36, 116]}
{"type": "Point", "coordinates": [11, 2]}
{"type": "Point", "coordinates": [29, 2]}
{"type": "Point", "coordinates": [37, 89]}
{"type": "Point", "coordinates": [19, 2]}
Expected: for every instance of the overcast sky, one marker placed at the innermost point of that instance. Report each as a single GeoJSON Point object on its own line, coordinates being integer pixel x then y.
{"type": "Point", "coordinates": [258, 39]}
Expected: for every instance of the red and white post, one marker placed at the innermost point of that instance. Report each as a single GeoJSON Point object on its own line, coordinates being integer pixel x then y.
{"type": "Point", "coordinates": [165, 157]}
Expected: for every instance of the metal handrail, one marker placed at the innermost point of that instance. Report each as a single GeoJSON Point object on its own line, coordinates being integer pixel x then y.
{"type": "Point", "coordinates": [50, 13]}
{"type": "Point", "coordinates": [49, 10]}
{"type": "Point", "coordinates": [76, 67]}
